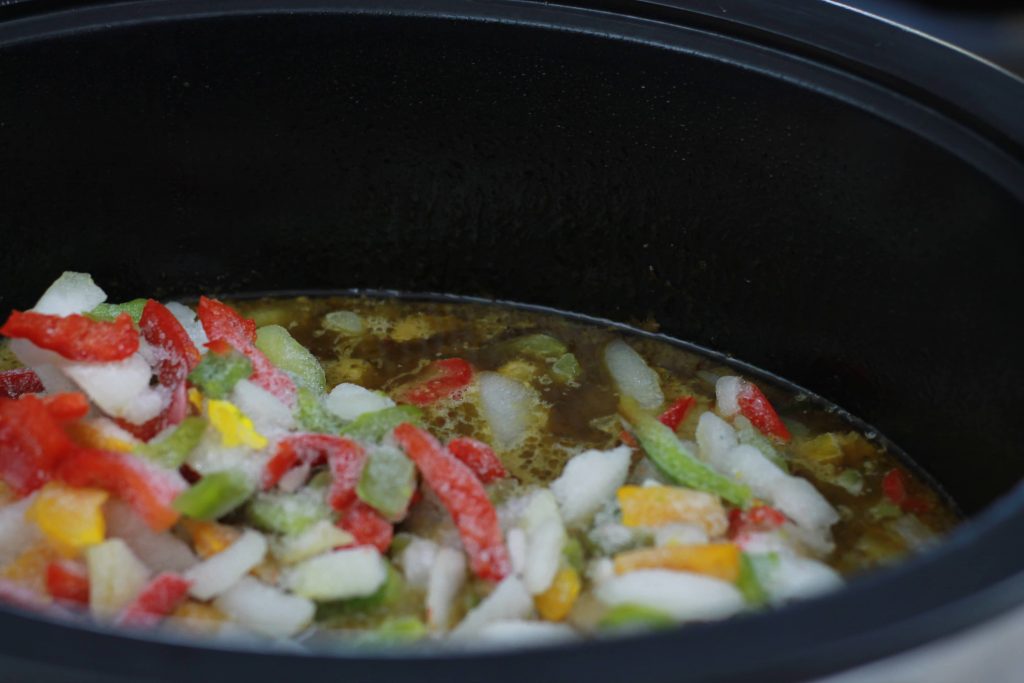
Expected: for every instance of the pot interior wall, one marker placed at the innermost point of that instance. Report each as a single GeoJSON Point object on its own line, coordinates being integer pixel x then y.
{"type": "Point", "coordinates": [741, 212]}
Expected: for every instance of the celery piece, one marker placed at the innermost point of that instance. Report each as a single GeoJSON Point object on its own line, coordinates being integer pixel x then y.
{"type": "Point", "coordinates": [852, 481]}
{"type": "Point", "coordinates": [375, 426]}
{"type": "Point", "coordinates": [566, 368]}
{"type": "Point", "coordinates": [387, 482]}
{"type": "Point", "coordinates": [394, 631]}
{"type": "Point", "coordinates": [312, 416]}
{"type": "Point", "coordinates": [750, 581]}
{"type": "Point", "coordinates": [217, 374]}
{"type": "Point", "coordinates": [172, 450]}
{"type": "Point", "coordinates": [885, 509]}
{"type": "Point", "coordinates": [539, 346]}
{"type": "Point", "coordinates": [671, 457]}
{"type": "Point", "coordinates": [214, 495]}
{"type": "Point", "coordinates": [288, 513]}
{"type": "Point", "coordinates": [108, 313]}
{"type": "Point", "coordinates": [574, 554]}
{"type": "Point", "coordinates": [748, 434]}
{"type": "Point", "coordinates": [291, 356]}
{"type": "Point", "coordinates": [390, 592]}
{"type": "Point", "coordinates": [634, 617]}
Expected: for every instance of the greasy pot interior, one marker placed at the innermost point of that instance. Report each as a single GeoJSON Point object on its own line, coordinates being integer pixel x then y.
{"type": "Point", "coordinates": [738, 209]}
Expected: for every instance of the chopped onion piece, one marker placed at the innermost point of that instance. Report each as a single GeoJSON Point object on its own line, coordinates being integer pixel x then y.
{"type": "Point", "coordinates": [266, 411]}
{"type": "Point", "coordinates": [588, 481]}
{"type": "Point", "coordinates": [446, 578]}
{"type": "Point", "coordinates": [417, 559]}
{"type": "Point", "coordinates": [543, 556]}
{"type": "Point", "coordinates": [508, 406]}
{"type": "Point", "coordinates": [319, 538]}
{"type": "Point", "coordinates": [187, 317]}
{"type": "Point", "coordinates": [632, 375]}
{"type": "Point", "coordinates": [727, 395]}
{"type": "Point", "coordinates": [120, 388]}
{"type": "Point", "coordinates": [681, 595]}
{"type": "Point", "coordinates": [158, 551]}
{"type": "Point", "coordinates": [16, 533]}
{"type": "Point", "coordinates": [265, 609]}
{"type": "Point", "coordinates": [519, 632]}
{"type": "Point", "coordinates": [509, 600]}
{"type": "Point", "coordinates": [349, 401]}
{"type": "Point", "coordinates": [70, 293]}
{"type": "Point", "coordinates": [715, 437]}
{"type": "Point", "coordinates": [116, 577]}
{"type": "Point", "coordinates": [216, 574]}
{"type": "Point", "coordinates": [349, 573]}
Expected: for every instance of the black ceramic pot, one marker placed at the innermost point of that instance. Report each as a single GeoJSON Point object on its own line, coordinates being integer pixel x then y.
{"type": "Point", "coordinates": [824, 195]}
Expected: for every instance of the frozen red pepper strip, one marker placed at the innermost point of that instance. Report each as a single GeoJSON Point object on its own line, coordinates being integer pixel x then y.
{"type": "Point", "coordinates": [677, 412]}
{"type": "Point", "coordinates": [757, 518]}
{"type": "Point", "coordinates": [67, 580]}
{"type": "Point", "coordinates": [345, 460]}
{"type": "Point", "coordinates": [178, 357]}
{"type": "Point", "coordinates": [894, 486]}
{"type": "Point", "coordinates": [441, 379]}
{"type": "Point", "coordinates": [159, 598]}
{"type": "Point", "coordinates": [67, 407]}
{"type": "Point", "coordinates": [465, 498]}
{"type": "Point", "coordinates": [223, 324]}
{"type": "Point", "coordinates": [220, 321]}
{"type": "Point", "coordinates": [31, 443]}
{"type": "Point", "coordinates": [671, 418]}
{"type": "Point", "coordinates": [75, 337]}
{"type": "Point", "coordinates": [755, 407]}
{"type": "Point", "coordinates": [367, 526]}
{"type": "Point", "coordinates": [479, 457]}
{"type": "Point", "coordinates": [14, 383]}
{"type": "Point", "coordinates": [149, 489]}
{"type": "Point", "coordinates": [308, 449]}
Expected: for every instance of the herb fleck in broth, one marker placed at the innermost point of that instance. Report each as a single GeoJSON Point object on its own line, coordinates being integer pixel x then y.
{"type": "Point", "coordinates": [582, 414]}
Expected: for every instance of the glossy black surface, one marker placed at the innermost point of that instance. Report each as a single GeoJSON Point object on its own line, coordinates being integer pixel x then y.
{"type": "Point", "coordinates": [826, 225]}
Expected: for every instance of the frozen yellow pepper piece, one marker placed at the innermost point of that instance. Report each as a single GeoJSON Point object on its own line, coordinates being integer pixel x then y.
{"type": "Point", "coordinates": [720, 560]}
{"type": "Point", "coordinates": [29, 568]}
{"type": "Point", "coordinates": [195, 398]}
{"type": "Point", "coordinates": [556, 602]}
{"type": "Point", "coordinates": [209, 538]}
{"type": "Point", "coordinates": [235, 428]}
{"type": "Point", "coordinates": [70, 518]}
{"type": "Point", "coordinates": [660, 505]}
{"type": "Point", "coordinates": [96, 435]}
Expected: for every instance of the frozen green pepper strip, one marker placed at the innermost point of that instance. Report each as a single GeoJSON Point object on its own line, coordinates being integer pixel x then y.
{"type": "Point", "coordinates": [391, 592]}
{"type": "Point", "coordinates": [218, 373]}
{"type": "Point", "coordinates": [629, 617]}
{"type": "Point", "coordinates": [749, 582]}
{"type": "Point", "coordinates": [214, 495]}
{"type": "Point", "coordinates": [539, 346]}
{"type": "Point", "coordinates": [313, 417]}
{"type": "Point", "coordinates": [172, 450]}
{"type": "Point", "coordinates": [288, 513]}
{"type": "Point", "coordinates": [108, 312]}
{"type": "Point", "coordinates": [566, 368]}
{"type": "Point", "coordinates": [291, 356]}
{"type": "Point", "coordinates": [387, 482]}
{"type": "Point", "coordinates": [376, 425]}
{"type": "Point", "coordinates": [672, 458]}
{"type": "Point", "coordinates": [394, 631]}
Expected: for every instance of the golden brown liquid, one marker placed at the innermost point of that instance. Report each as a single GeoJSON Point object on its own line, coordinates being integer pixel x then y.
{"type": "Point", "coordinates": [401, 336]}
